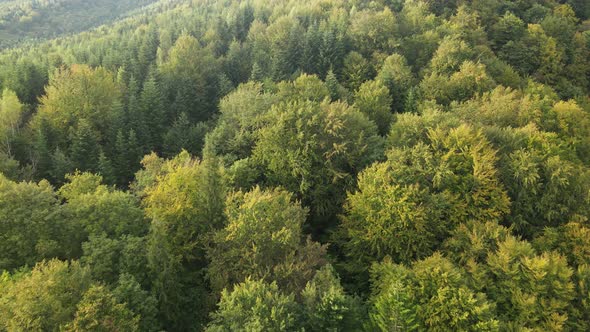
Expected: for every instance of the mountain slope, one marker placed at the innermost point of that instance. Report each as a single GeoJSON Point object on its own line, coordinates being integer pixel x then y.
{"type": "Point", "coordinates": [22, 20]}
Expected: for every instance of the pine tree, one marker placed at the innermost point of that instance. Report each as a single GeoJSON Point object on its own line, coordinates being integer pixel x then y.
{"type": "Point", "coordinates": [105, 169]}
{"type": "Point", "coordinates": [42, 154]}
{"type": "Point", "coordinates": [146, 54]}
{"type": "Point", "coordinates": [84, 149]}
{"type": "Point", "coordinates": [411, 102]}
{"type": "Point", "coordinates": [136, 116]}
{"type": "Point", "coordinates": [310, 58]}
{"type": "Point", "coordinates": [153, 112]}
{"type": "Point", "coordinates": [134, 150]}
{"type": "Point", "coordinates": [333, 85]}
{"type": "Point", "coordinates": [60, 166]}
{"type": "Point", "coordinates": [121, 160]}
{"type": "Point", "coordinates": [225, 85]}
{"type": "Point", "coordinates": [257, 75]}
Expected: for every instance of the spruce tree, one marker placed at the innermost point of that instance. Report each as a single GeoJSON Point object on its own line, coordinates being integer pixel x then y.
{"type": "Point", "coordinates": [105, 169]}
{"type": "Point", "coordinates": [153, 112]}
{"type": "Point", "coordinates": [84, 149]}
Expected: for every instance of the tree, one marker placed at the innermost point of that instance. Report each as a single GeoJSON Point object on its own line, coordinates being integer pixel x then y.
{"type": "Point", "coordinates": [470, 80]}
{"type": "Point", "coordinates": [285, 37]}
{"type": "Point", "coordinates": [397, 76]}
{"type": "Point", "coordinates": [574, 127]}
{"type": "Point", "coordinates": [44, 299]}
{"type": "Point", "coordinates": [98, 310]}
{"type": "Point", "coordinates": [428, 296]}
{"type": "Point", "coordinates": [530, 290]}
{"type": "Point", "coordinates": [570, 240]}
{"type": "Point", "coordinates": [509, 28]}
{"type": "Point", "coordinates": [189, 76]}
{"type": "Point", "coordinates": [561, 24]}
{"type": "Point", "coordinates": [101, 256]}
{"type": "Point", "coordinates": [356, 70]}
{"type": "Point", "coordinates": [184, 135]}
{"type": "Point", "coordinates": [243, 113]}
{"type": "Point", "coordinates": [373, 99]}
{"type": "Point", "coordinates": [450, 55]}
{"type": "Point", "coordinates": [185, 203]}
{"type": "Point", "coordinates": [326, 306]}
{"type": "Point", "coordinates": [404, 206]}
{"type": "Point", "coordinates": [105, 169]}
{"type": "Point", "coordinates": [84, 150]}
{"type": "Point", "coordinates": [305, 87]}
{"type": "Point", "coordinates": [11, 112]}
{"type": "Point", "coordinates": [61, 166]}
{"type": "Point", "coordinates": [33, 227]}
{"type": "Point", "coordinates": [79, 95]}
{"type": "Point", "coordinates": [534, 54]}
{"type": "Point", "coordinates": [139, 301]}
{"type": "Point", "coordinates": [9, 167]}
{"type": "Point", "coordinates": [391, 306]}
{"type": "Point", "coordinates": [255, 306]}
{"type": "Point", "coordinates": [547, 188]}
{"type": "Point", "coordinates": [387, 217]}
{"type": "Point", "coordinates": [263, 240]}
{"type": "Point", "coordinates": [337, 91]}
{"type": "Point", "coordinates": [154, 113]}
{"type": "Point", "coordinates": [238, 63]}
{"type": "Point", "coordinates": [374, 31]}
{"type": "Point", "coordinates": [315, 150]}
{"type": "Point", "coordinates": [101, 210]}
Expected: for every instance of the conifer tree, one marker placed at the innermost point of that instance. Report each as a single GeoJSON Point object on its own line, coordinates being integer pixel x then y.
{"type": "Point", "coordinates": [84, 151]}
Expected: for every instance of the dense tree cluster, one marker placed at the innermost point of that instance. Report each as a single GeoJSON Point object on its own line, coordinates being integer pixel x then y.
{"type": "Point", "coordinates": [317, 165]}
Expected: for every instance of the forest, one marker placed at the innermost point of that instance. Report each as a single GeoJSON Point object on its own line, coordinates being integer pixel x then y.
{"type": "Point", "coordinates": [295, 165]}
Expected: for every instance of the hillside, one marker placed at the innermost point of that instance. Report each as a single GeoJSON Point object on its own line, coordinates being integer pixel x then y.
{"type": "Point", "coordinates": [296, 165]}
{"type": "Point", "coordinates": [28, 20]}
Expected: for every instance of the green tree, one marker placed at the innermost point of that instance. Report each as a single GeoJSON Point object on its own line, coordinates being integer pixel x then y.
{"type": "Point", "coordinates": [190, 76]}
{"type": "Point", "coordinates": [33, 227]}
{"type": "Point", "coordinates": [373, 99]}
{"type": "Point", "coordinates": [11, 113]}
{"type": "Point", "coordinates": [263, 239]}
{"type": "Point", "coordinates": [397, 76]}
{"type": "Point", "coordinates": [79, 94]}
{"type": "Point", "coordinates": [255, 306]}
{"type": "Point", "coordinates": [284, 36]}
{"type": "Point", "coordinates": [153, 111]}
{"type": "Point", "coordinates": [98, 310]}
{"type": "Point", "coordinates": [243, 113]}
{"type": "Point", "coordinates": [450, 55]}
{"type": "Point", "coordinates": [508, 28]}
{"type": "Point", "coordinates": [326, 306]}
{"type": "Point", "coordinates": [432, 295]}
{"type": "Point", "coordinates": [184, 203]}
{"type": "Point", "coordinates": [184, 135]}
{"type": "Point", "coordinates": [373, 31]}
{"type": "Point", "coordinates": [531, 291]}
{"type": "Point", "coordinates": [105, 169]}
{"type": "Point", "coordinates": [337, 91]}
{"type": "Point", "coordinates": [470, 80]}
{"type": "Point", "coordinates": [315, 150]}
{"type": "Point", "coordinates": [356, 70]}
{"type": "Point", "coordinates": [100, 209]}
{"type": "Point", "coordinates": [9, 167]}
{"type": "Point", "coordinates": [84, 152]}
{"type": "Point", "coordinates": [404, 206]}
{"type": "Point", "coordinates": [139, 301]}
{"type": "Point", "coordinates": [44, 299]}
